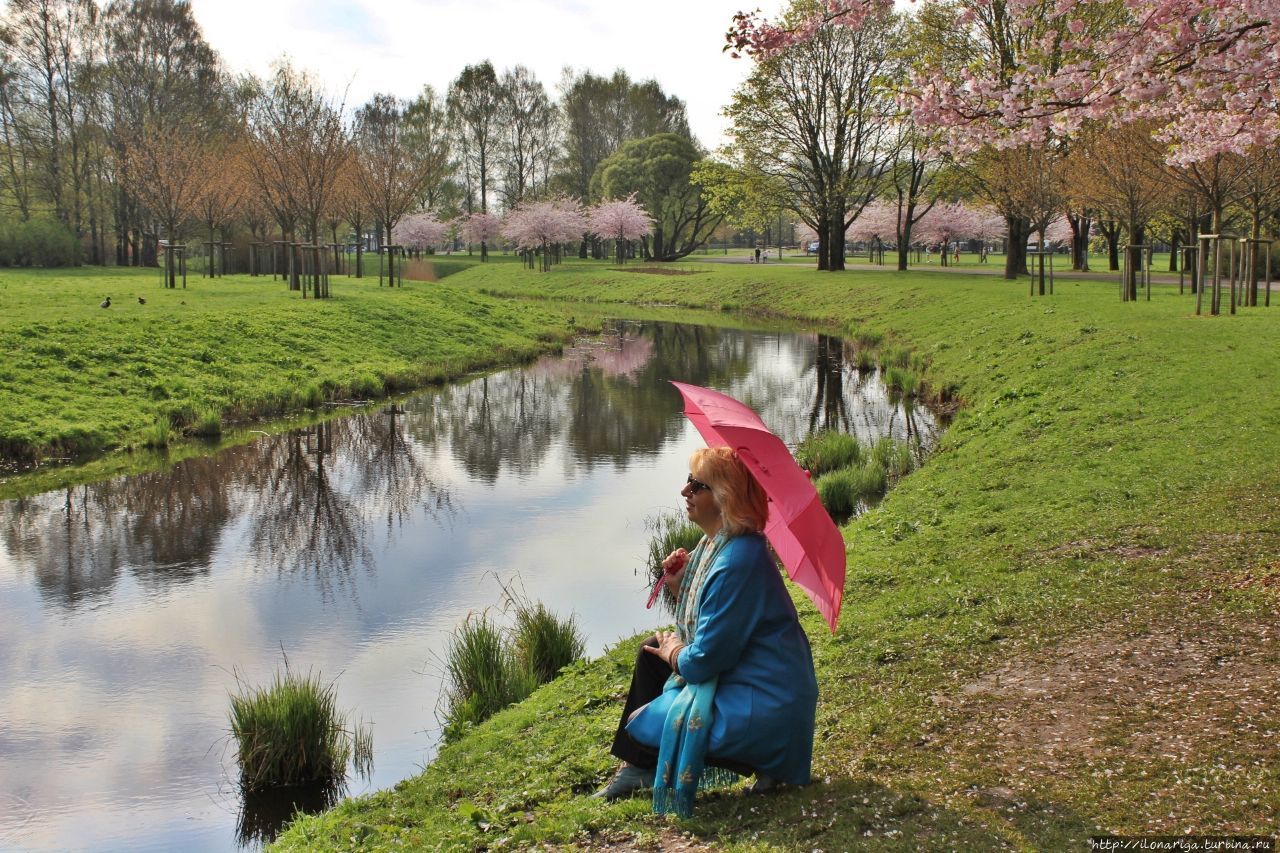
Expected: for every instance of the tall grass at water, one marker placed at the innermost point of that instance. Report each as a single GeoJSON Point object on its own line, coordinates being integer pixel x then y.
{"type": "Point", "coordinates": [902, 381]}
{"type": "Point", "coordinates": [864, 360]}
{"type": "Point", "coordinates": [489, 667]}
{"type": "Point", "coordinates": [843, 489]}
{"type": "Point", "coordinates": [157, 435]}
{"type": "Point", "coordinates": [292, 733]}
{"type": "Point", "coordinates": [544, 643]}
{"type": "Point", "coordinates": [828, 450]}
{"type": "Point", "coordinates": [669, 530]}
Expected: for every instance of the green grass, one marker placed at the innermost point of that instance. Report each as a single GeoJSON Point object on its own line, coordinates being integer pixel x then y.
{"type": "Point", "coordinates": [291, 732]}
{"type": "Point", "coordinates": [78, 380]}
{"type": "Point", "coordinates": [1111, 476]}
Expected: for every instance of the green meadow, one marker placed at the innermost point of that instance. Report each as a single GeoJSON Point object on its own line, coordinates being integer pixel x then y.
{"type": "Point", "coordinates": [1062, 624]}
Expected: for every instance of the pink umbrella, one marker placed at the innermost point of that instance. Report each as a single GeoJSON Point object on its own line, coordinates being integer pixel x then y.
{"type": "Point", "coordinates": [802, 534]}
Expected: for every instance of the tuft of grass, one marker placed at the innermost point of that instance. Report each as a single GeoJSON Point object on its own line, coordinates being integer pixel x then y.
{"type": "Point", "coordinates": [668, 531]}
{"type": "Point", "coordinates": [484, 675]}
{"type": "Point", "coordinates": [894, 457]}
{"type": "Point", "coordinates": [828, 450]}
{"type": "Point", "coordinates": [902, 381]}
{"type": "Point", "coordinates": [543, 643]}
{"type": "Point", "coordinates": [208, 425]}
{"type": "Point", "coordinates": [894, 357]}
{"type": "Point", "coordinates": [157, 435]}
{"type": "Point", "coordinates": [292, 733]}
{"type": "Point", "coordinates": [864, 360]}
{"type": "Point", "coordinates": [842, 491]}
{"type": "Point", "coordinates": [868, 340]}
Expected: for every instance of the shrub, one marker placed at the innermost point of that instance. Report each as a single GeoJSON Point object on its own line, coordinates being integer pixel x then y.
{"type": "Point", "coordinates": [38, 243]}
{"type": "Point", "coordinates": [828, 450]}
{"type": "Point", "coordinates": [291, 733]}
{"type": "Point", "coordinates": [669, 531]}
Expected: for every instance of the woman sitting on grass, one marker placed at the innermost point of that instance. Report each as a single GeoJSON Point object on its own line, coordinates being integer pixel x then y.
{"type": "Point", "coordinates": [733, 686]}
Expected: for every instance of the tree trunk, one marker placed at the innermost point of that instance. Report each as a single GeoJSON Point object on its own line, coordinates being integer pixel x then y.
{"type": "Point", "coordinates": [824, 238]}
{"type": "Point", "coordinates": [1015, 257]}
{"type": "Point", "coordinates": [835, 219]}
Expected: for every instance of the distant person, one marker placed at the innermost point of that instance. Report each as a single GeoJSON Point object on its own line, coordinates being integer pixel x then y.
{"type": "Point", "coordinates": [956, 256]}
{"type": "Point", "coordinates": [982, 257]}
{"type": "Point", "coordinates": [757, 254]}
{"type": "Point", "coordinates": [733, 687]}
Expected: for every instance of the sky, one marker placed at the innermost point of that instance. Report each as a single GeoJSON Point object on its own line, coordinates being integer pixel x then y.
{"type": "Point", "coordinates": [362, 47]}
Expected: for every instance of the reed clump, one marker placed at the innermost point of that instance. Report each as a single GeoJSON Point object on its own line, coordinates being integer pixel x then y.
{"type": "Point", "coordinates": [828, 450]}
{"type": "Point", "coordinates": [291, 732]}
{"type": "Point", "coordinates": [865, 477]}
{"type": "Point", "coordinates": [489, 666]}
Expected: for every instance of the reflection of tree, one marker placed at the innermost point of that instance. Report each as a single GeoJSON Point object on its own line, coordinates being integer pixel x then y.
{"type": "Point", "coordinates": [303, 523]}
{"type": "Point", "coordinates": [163, 526]}
{"type": "Point", "coordinates": [393, 474]}
{"type": "Point", "coordinates": [828, 401]}
{"type": "Point", "coordinates": [507, 419]}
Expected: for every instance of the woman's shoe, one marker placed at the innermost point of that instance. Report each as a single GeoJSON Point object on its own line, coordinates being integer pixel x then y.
{"type": "Point", "coordinates": [626, 782]}
{"type": "Point", "coordinates": [763, 784]}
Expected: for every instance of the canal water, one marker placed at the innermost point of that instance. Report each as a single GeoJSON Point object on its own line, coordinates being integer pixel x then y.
{"type": "Point", "coordinates": [130, 608]}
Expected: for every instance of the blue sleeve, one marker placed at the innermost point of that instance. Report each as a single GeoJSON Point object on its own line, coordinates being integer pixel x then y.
{"type": "Point", "coordinates": [732, 605]}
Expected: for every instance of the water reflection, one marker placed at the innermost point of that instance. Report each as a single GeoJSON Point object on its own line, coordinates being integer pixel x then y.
{"type": "Point", "coordinates": [354, 544]}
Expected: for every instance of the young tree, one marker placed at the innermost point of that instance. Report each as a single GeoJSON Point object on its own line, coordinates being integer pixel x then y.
{"type": "Point", "coordinates": [540, 225]}
{"type": "Point", "coordinates": [1205, 71]}
{"type": "Point", "coordinates": [480, 228]}
{"type": "Point", "coordinates": [945, 222]}
{"type": "Point", "coordinates": [426, 135]}
{"type": "Point", "coordinates": [170, 173]}
{"type": "Point", "coordinates": [420, 231]}
{"type": "Point", "coordinates": [748, 197]}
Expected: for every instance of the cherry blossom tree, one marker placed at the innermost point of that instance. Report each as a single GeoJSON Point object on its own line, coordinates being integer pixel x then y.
{"type": "Point", "coordinates": [1205, 71]}
{"type": "Point", "coordinates": [540, 225]}
{"type": "Point", "coordinates": [419, 231]}
{"type": "Point", "coordinates": [620, 220]}
{"type": "Point", "coordinates": [481, 228]}
{"type": "Point", "coordinates": [946, 222]}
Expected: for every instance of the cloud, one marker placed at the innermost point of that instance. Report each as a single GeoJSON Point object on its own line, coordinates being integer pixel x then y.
{"type": "Point", "coordinates": [361, 47]}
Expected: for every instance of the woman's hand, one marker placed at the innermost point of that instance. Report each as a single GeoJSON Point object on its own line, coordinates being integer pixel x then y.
{"type": "Point", "coordinates": [668, 648]}
{"type": "Point", "coordinates": [673, 569]}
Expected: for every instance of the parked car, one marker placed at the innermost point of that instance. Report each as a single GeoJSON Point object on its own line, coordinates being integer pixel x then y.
{"type": "Point", "coordinates": [811, 249]}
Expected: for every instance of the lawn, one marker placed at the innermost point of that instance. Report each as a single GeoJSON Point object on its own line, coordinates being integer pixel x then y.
{"type": "Point", "coordinates": [1063, 624]}
{"type": "Point", "coordinates": [78, 380]}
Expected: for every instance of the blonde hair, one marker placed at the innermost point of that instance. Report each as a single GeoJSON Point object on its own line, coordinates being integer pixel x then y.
{"type": "Point", "coordinates": [744, 507]}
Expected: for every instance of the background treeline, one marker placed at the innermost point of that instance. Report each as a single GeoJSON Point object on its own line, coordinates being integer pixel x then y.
{"type": "Point", "coordinates": [121, 128]}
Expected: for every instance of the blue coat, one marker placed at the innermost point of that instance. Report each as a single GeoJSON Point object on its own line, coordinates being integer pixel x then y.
{"type": "Point", "coordinates": [748, 634]}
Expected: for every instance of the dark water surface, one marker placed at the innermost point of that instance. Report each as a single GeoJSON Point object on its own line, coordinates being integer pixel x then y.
{"type": "Point", "coordinates": [128, 607]}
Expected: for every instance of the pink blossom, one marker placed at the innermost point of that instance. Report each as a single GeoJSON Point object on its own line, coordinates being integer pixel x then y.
{"type": "Point", "coordinates": [480, 227]}
{"type": "Point", "coordinates": [622, 219]}
{"type": "Point", "coordinates": [419, 231]}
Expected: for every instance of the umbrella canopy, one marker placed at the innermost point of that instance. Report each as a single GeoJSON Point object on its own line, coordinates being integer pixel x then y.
{"type": "Point", "coordinates": [799, 528]}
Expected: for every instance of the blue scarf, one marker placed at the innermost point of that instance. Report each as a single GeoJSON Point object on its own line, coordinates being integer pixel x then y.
{"type": "Point", "coordinates": [682, 751]}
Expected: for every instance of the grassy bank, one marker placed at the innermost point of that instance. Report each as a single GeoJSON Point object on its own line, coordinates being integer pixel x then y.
{"type": "Point", "coordinates": [1063, 623]}
{"type": "Point", "coordinates": [78, 379]}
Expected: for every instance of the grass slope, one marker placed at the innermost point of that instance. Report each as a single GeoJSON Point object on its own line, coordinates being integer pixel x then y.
{"type": "Point", "coordinates": [80, 379]}
{"type": "Point", "coordinates": [1063, 622]}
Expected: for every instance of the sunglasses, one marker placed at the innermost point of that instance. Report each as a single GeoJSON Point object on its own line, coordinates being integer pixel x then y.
{"type": "Point", "coordinates": [695, 486]}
